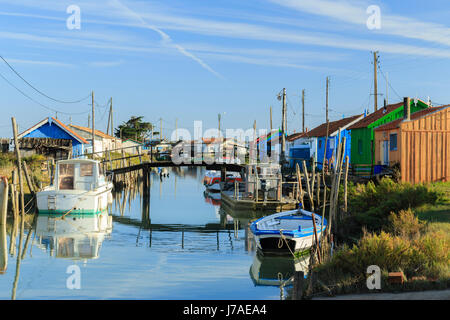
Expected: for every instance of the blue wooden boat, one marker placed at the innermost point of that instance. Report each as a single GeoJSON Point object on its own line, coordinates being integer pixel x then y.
{"type": "Point", "coordinates": [287, 231]}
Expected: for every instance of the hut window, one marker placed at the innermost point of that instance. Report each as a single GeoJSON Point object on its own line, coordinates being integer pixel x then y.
{"type": "Point", "coordinates": [66, 172]}
{"type": "Point", "coordinates": [393, 142]}
{"type": "Point", "coordinates": [360, 148]}
{"type": "Point", "coordinates": [86, 169]}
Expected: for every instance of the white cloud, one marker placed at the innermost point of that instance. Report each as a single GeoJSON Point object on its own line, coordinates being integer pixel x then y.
{"type": "Point", "coordinates": [354, 12]}
{"type": "Point", "coordinates": [167, 40]}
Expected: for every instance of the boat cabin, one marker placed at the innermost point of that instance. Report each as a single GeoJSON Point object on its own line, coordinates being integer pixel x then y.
{"type": "Point", "coordinates": [78, 174]}
{"type": "Point", "coordinates": [263, 176]}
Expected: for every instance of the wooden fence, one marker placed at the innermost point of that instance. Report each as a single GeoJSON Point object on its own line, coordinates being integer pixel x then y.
{"type": "Point", "coordinates": [425, 148]}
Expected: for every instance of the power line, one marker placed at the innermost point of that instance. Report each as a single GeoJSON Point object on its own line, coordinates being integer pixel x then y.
{"type": "Point", "coordinates": [37, 90]}
{"type": "Point", "coordinates": [42, 105]}
{"type": "Point", "coordinates": [389, 84]}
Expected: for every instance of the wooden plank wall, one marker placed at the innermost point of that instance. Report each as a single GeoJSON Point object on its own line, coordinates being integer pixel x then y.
{"type": "Point", "coordinates": [425, 148]}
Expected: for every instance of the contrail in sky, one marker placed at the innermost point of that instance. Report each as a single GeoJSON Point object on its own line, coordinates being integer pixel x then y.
{"type": "Point", "coordinates": [166, 39]}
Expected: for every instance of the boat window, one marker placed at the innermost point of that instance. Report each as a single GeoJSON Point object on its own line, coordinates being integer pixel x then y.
{"type": "Point", "coordinates": [86, 169]}
{"type": "Point", "coordinates": [66, 172]}
{"type": "Point", "coordinates": [100, 169]}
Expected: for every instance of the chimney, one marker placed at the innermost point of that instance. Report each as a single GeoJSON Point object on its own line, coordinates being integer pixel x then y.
{"type": "Point", "coordinates": [407, 108]}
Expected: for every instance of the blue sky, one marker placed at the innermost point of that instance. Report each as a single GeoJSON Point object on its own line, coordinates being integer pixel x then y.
{"type": "Point", "coordinates": [192, 59]}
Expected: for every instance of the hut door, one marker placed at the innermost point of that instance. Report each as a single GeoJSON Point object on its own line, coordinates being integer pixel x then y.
{"type": "Point", "coordinates": [386, 153]}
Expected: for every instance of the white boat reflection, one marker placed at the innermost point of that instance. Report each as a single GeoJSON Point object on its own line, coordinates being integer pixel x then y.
{"type": "Point", "coordinates": [75, 236]}
{"type": "Point", "coordinates": [276, 270]}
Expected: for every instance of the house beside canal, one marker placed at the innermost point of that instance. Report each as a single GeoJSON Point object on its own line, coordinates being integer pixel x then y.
{"type": "Point", "coordinates": [316, 138]}
{"type": "Point", "coordinates": [420, 145]}
{"type": "Point", "coordinates": [52, 138]}
{"type": "Point", "coordinates": [300, 147]}
{"type": "Point", "coordinates": [103, 141]}
{"type": "Point", "coordinates": [362, 143]}
{"type": "Point", "coordinates": [269, 146]}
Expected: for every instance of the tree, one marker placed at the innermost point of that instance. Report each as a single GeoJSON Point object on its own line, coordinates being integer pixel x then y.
{"type": "Point", "coordinates": [135, 128]}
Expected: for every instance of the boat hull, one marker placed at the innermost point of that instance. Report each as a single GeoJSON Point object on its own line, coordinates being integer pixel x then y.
{"type": "Point", "coordinates": [270, 243]}
{"type": "Point", "coordinates": [52, 201]}
{"type": "Point", "coordinates": [289, 231]}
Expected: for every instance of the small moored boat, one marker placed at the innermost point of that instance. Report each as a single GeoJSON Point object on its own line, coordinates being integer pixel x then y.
{"type": "Point", "coordinates": [213, 178]}
{"type": "Point", "coordinates": [79, 186]}
{"type": "Point", "coordinates": [289, 230]}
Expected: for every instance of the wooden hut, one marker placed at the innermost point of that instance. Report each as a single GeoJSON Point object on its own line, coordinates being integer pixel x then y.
{"type": "Point", "coordinates": [426, 148]}
{"type": "Point", "coordinates": [52, 138]}
{"type": "Point", "coordinates": [362, 133]}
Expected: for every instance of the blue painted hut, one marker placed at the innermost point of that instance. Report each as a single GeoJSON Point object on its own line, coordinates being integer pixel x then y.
{"type": "Point", "coordinates": [320, 133]}
{"type": "Point", "coordinates": [54, 129]}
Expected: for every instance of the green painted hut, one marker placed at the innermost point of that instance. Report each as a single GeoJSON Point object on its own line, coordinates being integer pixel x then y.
{"type": "Point", "coordinates": [362, 133]}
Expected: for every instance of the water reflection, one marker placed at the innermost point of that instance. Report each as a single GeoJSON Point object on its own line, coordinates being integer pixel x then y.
{"type": "Point", "coordinates": [212, 198]}
{"type": "Point", "coordinates": [173, 242]}
{"type": "Point", "coordinates": [277, 271]}
{"type": "Point", "coordinates": [76, 237]}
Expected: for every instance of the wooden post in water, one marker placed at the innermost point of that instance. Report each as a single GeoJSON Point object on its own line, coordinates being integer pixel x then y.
{"type": "Point", "coordinates": [14, 194]}
{"type": "Point", "coordinates": [299, 279]}
{"type": "Point", "coordinates": [300, 187]}
{"type": "Point", "coordinates": [28, 178]}
{"type": "Point", "coordinates": [19, 166]}
{"type": "Point", "coordinates": [345, 183]}
{"type": "Point", "coordinates": [308, 186]}
{"type": "Point", "coordinates": [318, 190]}
{"type": "Point", "coordinates": [3, 212]}
{"type": "Point", "coordinates": [315, 235]}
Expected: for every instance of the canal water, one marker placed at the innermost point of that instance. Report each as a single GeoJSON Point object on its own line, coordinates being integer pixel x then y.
{"type": "Point", "coordinates": [182, 245]}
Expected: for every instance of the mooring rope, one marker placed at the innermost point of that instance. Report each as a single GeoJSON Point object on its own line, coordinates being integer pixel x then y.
{"type": "Point", "coordinates": [280, 242]}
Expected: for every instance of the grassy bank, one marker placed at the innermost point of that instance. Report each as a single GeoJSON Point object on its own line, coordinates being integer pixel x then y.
{"type": "Point", "coordinates": [398, 227]}
{"type": "Point", "coordinates": [38, 172]}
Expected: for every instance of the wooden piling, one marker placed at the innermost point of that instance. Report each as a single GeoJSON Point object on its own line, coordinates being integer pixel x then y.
{"type": "Point", "coordinates": [28, 178]}
{"type": "Point", "coordinates": [315, 236]}
{"type": "Point", "coordinates": [3, 212]}
{"type": "Point", "coordinates": [308, 186]}
{"type": "Point", "coordinates": [19, 166]}
{"type": "Point", "coordinates": [318, 190]}
{"type": "Point", "coordinates": [300, 187]}
{"type": "Point", "coordinates": [299, 279]}
{"type": "Point", "coordinates": [345, 183]}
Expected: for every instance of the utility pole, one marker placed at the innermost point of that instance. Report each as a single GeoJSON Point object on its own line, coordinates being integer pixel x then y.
{"type": "Point", "coordinates": [89, 120]}
{"type": "Point", "coordinates": [328, 81]}
{"type": "Point", "coordinates": [176, 129]}
{"type": "Point", "coordinates": [375, 66]}
{"type": "Point", "coordinates": [271, 127]}
{"type": "Point", "coordinates": [160, 129]}
{"type": "Point", "coordinates": [112, 122]}
{"type": "Point", "coordinates": [93, 126]}
{"type": "Point", "coordinates": [110, 119]}
{"type": "Point", "coordinates": [283, 128]}
{"type": "Point", "coordinates": [303, 110]}
{"type": "Point", "coordinates": [387, 89]}
{"type": "Point", "coordinates": [218, 116]}
{"type": "Point", "coordinates": [254, 154]}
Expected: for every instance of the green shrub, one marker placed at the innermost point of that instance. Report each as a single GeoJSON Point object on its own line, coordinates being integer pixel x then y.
{"type": "Point", "coordinates": [370, 205]}
{"type": "Point", "coordinates": [428, 256]}
{"type": "Point", "coordinates": [405, 224]}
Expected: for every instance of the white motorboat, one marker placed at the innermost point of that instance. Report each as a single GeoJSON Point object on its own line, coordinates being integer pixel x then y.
{"type": "Point", "coordinates": [213, 178]}
{"type": "Point", "coordinates": [290, 230]}
{"type": "Point", "coordinates": [79, 186]}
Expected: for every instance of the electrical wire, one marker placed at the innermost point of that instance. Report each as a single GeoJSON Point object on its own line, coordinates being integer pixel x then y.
{"type": "Point", "coordinates": [37, 90]}
{"type": "Point", "coordinates": [37, 102]}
